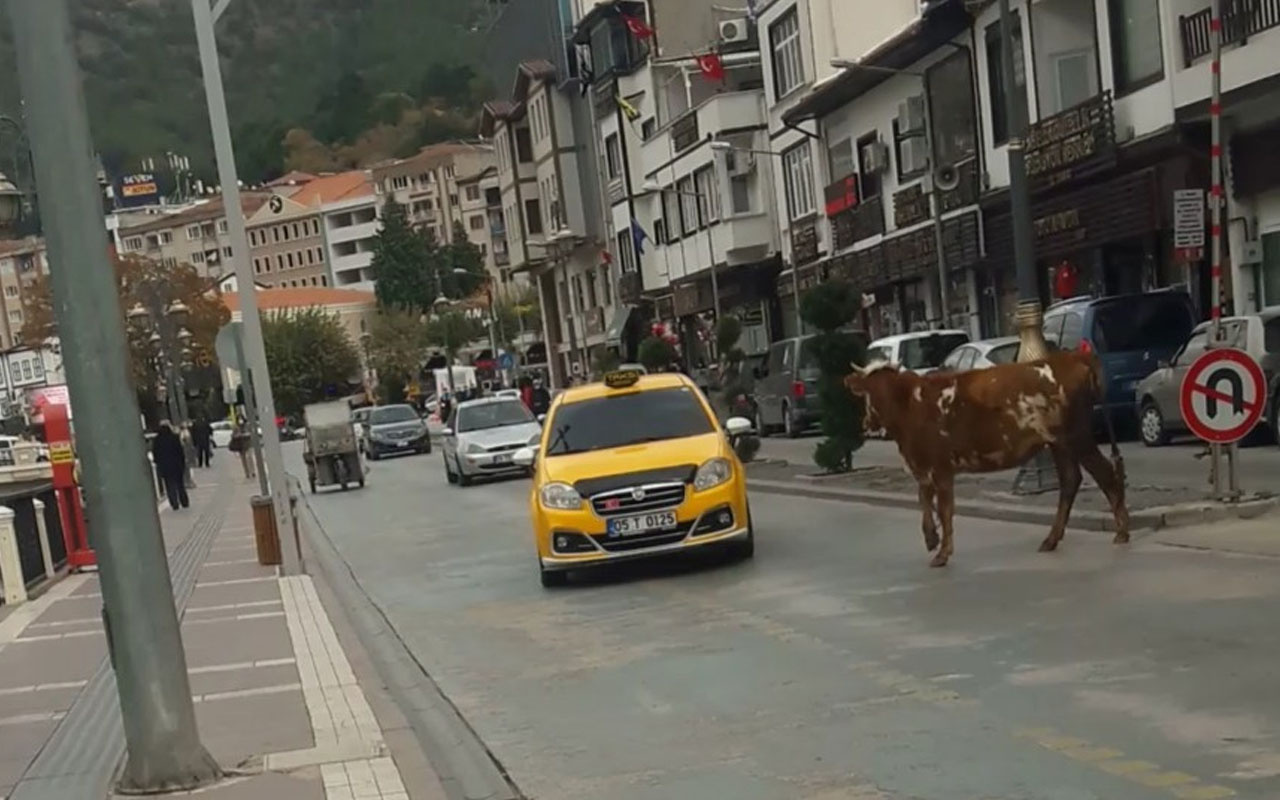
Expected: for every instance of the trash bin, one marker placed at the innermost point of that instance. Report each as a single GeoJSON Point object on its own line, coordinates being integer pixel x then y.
{"type": "Point", "coordinates": [265, 532]}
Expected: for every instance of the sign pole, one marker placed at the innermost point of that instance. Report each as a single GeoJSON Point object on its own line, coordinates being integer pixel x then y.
{"type": "Point", "coordinates": [1222, 398]}
{"type": "Point", "coordinates": [1215, 210]}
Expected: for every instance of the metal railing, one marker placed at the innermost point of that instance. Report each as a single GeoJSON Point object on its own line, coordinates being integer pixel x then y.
{"type": "Point", "coordinates": [1240, 20]}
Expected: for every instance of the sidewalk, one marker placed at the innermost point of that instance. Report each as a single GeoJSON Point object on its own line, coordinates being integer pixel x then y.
{"type": "Point", "coordinates": [284, 696]}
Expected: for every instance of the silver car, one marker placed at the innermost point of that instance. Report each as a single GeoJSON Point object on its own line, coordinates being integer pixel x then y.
{"type": "Point", "coordinates": [481, 436]}
{"type": "Point", "coordinates": [1159, 412]}
{"type": "Point", "coordinates": [982, 354]}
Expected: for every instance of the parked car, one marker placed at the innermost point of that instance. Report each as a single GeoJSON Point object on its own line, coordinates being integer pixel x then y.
{"type": "Point", "coordinates": [1131, 334]}
{"type": "Point", "coordinates": [1158, 408]}
{"type": "Point", "coordinates": [919, 351]}
{"type": "Point", "coordinates": [482, 437]}
{"type": "Point", "coordinates": [395, 429]}
{"type": "Point", "coordinates": [221, 432]}
{"type": "Point", "coordinates": [786, 386]}
{"type": "Point", "coordinates": [982, 354]}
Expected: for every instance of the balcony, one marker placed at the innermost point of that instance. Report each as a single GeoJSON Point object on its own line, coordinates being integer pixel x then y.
{"type": "Point", "coordinates": [726, 111]}
{"type": "Point", "coordinates": [1241, 19]}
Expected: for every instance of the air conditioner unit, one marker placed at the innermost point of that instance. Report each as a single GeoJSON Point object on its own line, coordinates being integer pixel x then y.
{"type": "Point", "coordinates": [874, 157]}
{"type": "Point", "coordinates": [915, 155]}
{"type": "Point", "coordinates": [911, 115]}
{"type": "Point", "coordinates": [733, 31]}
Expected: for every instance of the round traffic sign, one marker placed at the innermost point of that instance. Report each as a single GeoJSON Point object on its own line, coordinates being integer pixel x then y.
{"type": "Point", "coordinates": [1223, 395]}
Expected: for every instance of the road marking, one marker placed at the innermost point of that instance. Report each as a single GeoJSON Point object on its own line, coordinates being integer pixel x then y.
{"type": "Point", "coordinates": [229, 563]}
{"type": "Point", "coordinates": [1145, 773]}
{"type": "Point", "coordinates": [12, 626]}
{"type": "Point", "coordinates": [48, 637]}
{"type": "Point", "coordinates": [65, 623]}
{"type": "Point", "coordinates": [28, 719]}
{"type": "Point", "coordinates": [235, 694]}
{"type": "Point", "coordinates": [42, 687]}
{"type": "Point", "coordinates": [232, 606]}
{"type": "Point", "coordinates": [235, 581]}
{"type": "Point", "coordinates": [233, 618]}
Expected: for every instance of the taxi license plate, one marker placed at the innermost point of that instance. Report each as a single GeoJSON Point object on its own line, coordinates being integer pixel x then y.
{"type": "Point", "coordinates": [642, 523]}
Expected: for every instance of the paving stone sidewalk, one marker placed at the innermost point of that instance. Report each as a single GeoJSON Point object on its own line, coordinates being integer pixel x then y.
{"type": "Point", "coordinates": [284, 696]}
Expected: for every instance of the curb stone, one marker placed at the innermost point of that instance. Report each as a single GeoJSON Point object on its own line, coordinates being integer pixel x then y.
{"type": "Point", "coordinates": [1154, 518]}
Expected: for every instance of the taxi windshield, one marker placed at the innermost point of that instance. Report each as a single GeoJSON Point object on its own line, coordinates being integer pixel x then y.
{"type": "Point", "coordinates": [623, 419]}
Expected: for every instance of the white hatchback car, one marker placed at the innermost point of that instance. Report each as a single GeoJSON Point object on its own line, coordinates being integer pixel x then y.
{"type": "Point", "coordinates": [921, 351]}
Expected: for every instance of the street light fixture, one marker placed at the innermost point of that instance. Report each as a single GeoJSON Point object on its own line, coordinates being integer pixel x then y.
{"type": "Point", "coordinates": [10, 202]}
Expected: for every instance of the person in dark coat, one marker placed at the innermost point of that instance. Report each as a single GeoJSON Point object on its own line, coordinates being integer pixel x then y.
{"type": "Point", "coordinates": [540, 399]}
{"type": "Point", "coordinates": [202, 438]}
{"type": "Point", "coordinates": [171, 465]}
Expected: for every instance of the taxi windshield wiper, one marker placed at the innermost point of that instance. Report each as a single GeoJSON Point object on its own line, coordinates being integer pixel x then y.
{"type": "Point", "coordinates": [553, 448]}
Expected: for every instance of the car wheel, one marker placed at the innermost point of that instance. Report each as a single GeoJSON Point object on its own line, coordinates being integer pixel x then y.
{"type": "Point", "coordinates": [373, 454]}
{"type": "Point", "coordinates": [448, 473]}
{"type": "Point", "coordinates": [1151, 425]}
{"type": "Point", "coordinates": [463, 478]}
{"type": "Point", "coordinates": [761, 430]}
{"type": "Point", "coordinates": [789, 427]}
{"type": "Point", "coordinates": [746, 549]}
{"type": "Point", "coordinates": [552, 578]}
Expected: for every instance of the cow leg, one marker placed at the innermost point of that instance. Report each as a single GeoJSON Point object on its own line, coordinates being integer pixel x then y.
{"type": "Point", "coordinates": [1111, 482]}
{"type": "Point", "coordinates": [929, 526]}
{"type": "Point", "coordinates": [945, 491]}
{"type": "Point", "coordinates": [1068, 485]}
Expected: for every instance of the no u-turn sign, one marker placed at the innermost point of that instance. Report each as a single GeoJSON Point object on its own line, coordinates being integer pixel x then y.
{"type": "Point", "coordinates": [1223, 395]}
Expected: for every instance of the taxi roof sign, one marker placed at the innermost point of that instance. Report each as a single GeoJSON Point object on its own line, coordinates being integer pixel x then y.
{"type": "Point", "coordinates": [621, 378]}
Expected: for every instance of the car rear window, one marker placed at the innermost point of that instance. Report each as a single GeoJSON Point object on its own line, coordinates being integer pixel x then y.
{"type": "Point", "coordinates": [618, 420]}
{"type": "Point", "coordinates": [1140, 323]}
{"type": "Point", "coordinates": [1271, 335]}
{"type": "Point", "coordinates": [1004, 354]}
{"type": "Point", "coordinates": [928, 352]}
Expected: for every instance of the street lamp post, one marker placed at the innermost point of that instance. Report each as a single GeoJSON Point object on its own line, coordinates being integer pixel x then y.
{"type": "Point", "coordinates": [166, 322]}
{"type": "Point", "coordinates": [141, 624]}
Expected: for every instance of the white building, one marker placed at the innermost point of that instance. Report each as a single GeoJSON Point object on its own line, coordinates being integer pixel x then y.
{"type": "Point", "coordinates": [349, 210]}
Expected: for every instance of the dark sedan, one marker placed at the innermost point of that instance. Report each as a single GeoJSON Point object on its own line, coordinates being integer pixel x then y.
{"type": "Point", "coordinates": [395, 429]}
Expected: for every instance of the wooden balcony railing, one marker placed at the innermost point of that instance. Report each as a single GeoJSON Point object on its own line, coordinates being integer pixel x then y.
{"type": "Point", "coordinates": [1240, 20]}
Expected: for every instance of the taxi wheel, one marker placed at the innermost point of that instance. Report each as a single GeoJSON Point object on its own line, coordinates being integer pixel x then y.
{"type": "Point", "coordinates": [745, 549]}
{"type": "Point", "coordinates": [552, 579]}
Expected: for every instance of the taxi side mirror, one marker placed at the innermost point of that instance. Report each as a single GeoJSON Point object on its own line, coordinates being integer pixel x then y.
{"type": "Point", "coordinates": [524, 457]}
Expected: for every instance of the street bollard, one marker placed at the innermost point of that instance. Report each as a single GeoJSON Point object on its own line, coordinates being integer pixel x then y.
{"type": "Point", "coordinates": [265, 533]}
{"type": "Point", "coordinates": [45, 552]}
{"type": "Point", "coordinates": [15, 584]}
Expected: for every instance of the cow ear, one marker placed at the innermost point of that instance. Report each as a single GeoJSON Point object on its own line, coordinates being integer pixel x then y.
{"type": "Point", "coordinates": [856, 381]}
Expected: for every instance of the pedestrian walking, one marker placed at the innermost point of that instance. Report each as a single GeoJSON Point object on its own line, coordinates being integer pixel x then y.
{"type": "Point", "coordinates": [171, 465]}
{"type": "Point", "coordinates": [240, 445]}
{"type": "Point", "coordinates": [526, 392]}
{"type": "Point", "coordinates": [541, 400]}
{"type": "Point", "coordinates": [202, 437]}
{"type": "Point", "coordinates": [188, 453]}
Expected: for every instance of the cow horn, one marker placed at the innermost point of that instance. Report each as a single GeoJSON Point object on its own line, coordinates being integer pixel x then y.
{"type": "Point", "coordinates": [858, 369]}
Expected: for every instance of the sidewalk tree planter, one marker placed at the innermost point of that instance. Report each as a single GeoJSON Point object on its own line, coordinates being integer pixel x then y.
{"type": "Point", "coordinates": [831, 307]}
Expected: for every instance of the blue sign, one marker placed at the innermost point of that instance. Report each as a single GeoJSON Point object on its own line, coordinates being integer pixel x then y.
{"type": "Point", "coordinates": [506, 361]}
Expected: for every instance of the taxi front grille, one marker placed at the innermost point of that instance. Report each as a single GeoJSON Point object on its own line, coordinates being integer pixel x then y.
{"type": "Point", "coordinates": [651, 539]}
{"type": "Point", "coordinates": [638, 499]}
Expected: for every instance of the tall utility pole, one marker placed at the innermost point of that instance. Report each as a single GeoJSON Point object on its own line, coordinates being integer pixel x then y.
{"type": "Point", "coordinates": [1030, 315]}
{"type": "Point", "coordinates": [1216, 198]}
{"type": "Point", "coordinates": [255, 351]}
{"type": "Point", "coordinates": [164, 750]}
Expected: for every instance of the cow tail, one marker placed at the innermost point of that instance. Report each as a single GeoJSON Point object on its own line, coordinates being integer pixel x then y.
{"type": "Point", "coordinates": [1099, 397]}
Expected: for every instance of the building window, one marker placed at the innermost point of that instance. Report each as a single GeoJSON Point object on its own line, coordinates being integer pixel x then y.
{"type": "Point", "coordinates": [222, 226]}
{"type": "Point", "coordinates": [671, 210]}
{"type": "Point", "coordinates": [275, 233]}
{"type": "Point", "coordinates": [840, 163]}
{"type": "Point", "coordinates": [952, 109]}
{"type": "Point", "coordinates": [193, 233]}
{"type": "Point", "coordinates": [400, 182]}
{"type": "Point", "coordinates": [476, 223]}
{"type": "Point", "coordinates": [740, 194]}
{"type": "Point", "coordinates": [133, 243]}
{"type": "Point", "coordinates": [797, 176]}
{"type": "Point", "coordinates": [689, 222]}
{"type": "Point", "coordinates": [1135, 43]}
{"type": "Point", "coordinates": [788, 61]}
{"type": "Point", "coordinates": [226, 251]}
{"type": "Point", "coordinates": [279, 262]}
{"type": "Point", "coordinates": [473, 192]}
{"type": "Point", "coordinates": [709, 203]}
{"type": "Point", "coordinates": [606, 288]}
{"type": "Point", "coordinates": [11, 291]}
{"type": "Point", "coordinates": [648, 128]}
{"type": "Point", "coordinates": [319, 256]}
{"type": "Point", "coordinates": [524, 147]}
{"type": "Point", "coordinates": [591, 289]}
{"type": "Point", "coordinates": [37, 365]}
{"type": "Point", "coordinates": [577, 291]}
{"type": "Point", "coordinates": [26, 365]}
{"type": "Point", "coordinates": [995, 79]}
{"type": "Point", "coordinates": [613, 156]}
{"type": "Point", "coordinates": [869, 172]}
{"type": "Point", "coordinates": [166, 237]}
{"type": "Point", "coordinates": [533, 216]}
{"type": "Point", "coordinates": [197, 257]}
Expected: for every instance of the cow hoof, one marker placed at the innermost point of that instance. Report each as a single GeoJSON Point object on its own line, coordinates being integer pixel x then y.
{"type": "Point", "coordinates": [938, 561]}
{"type": "Point", "coordinates": [1048, 546]}
{"type": "Point", "coordinates": [1121, 538]}
{"type": "Point", "coordinates": [931, 541]}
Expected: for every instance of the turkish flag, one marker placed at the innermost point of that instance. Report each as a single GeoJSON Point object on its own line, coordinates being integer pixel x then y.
{"type": "Point", "coordinates": [637, 27]}
{"type": "Point", "coordinates": [1065, 280]}
{"type": "Point", "coordinates": [712, 67]}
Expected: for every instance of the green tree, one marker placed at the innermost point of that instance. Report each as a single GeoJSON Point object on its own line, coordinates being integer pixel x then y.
{"type": "Point", "coordinates": [451, 331]}
{"type": "Point", "coordinates": [463, 263]}
{"type": "Point", "coordinates": [657, 354]}
{"type": "Point", "coordinates": [309, 356]}
{"type": "Point", "coordinates": [830, 307]}
{"type": "Point", "coordinates": [406, 263]}
{"type": "Point", "coordinates": [398, 344]}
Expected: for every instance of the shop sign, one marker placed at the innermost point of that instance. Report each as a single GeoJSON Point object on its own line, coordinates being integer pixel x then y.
{"type": "Point", "coordinates": [860, 222]}
{"type": "Point", "coordinates": [1072, 143]}
{"type": "Point", "coordinates": [910, 206]}
{"type": "Point", "coordinates": [912, 255]}
{"type": "Point", "coordinates": [841, 195]}
{"type": "Point", "coordinates": [804, 242]}
{"type": "Point", "coordinates": [665, 307]}
{"type": "Point", "coordinates": [684, 132]}
{"type": "Point", "coordinates": [692, 297]}
{"type": "Point", "coordinates": [1188, 224]}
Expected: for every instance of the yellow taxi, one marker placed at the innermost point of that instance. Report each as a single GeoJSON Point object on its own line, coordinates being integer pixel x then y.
{"type": "Point", "coordinates": [634, 466]}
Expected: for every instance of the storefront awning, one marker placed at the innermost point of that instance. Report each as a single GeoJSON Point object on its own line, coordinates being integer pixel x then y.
{"type": "Point", "coordinates": [613, 334]}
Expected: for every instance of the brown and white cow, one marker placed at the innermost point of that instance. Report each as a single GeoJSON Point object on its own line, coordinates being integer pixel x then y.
{"type": "Point", "coordinates": [993, 419]}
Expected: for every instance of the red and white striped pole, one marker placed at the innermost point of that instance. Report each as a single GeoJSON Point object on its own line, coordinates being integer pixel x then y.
{"type": "Point", "coordinates": [1216, 199]}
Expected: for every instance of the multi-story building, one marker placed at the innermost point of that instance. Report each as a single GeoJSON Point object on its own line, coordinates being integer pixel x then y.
{"type": "Point", "coordinates": [427, 186]}
{"type": "Point", "coordinates": [22, 261]}
{"type": "Point", "coordinates": [197, 236]}
{"type": "Point", "coordinates": [286, 243]}
{"type": "Point", "coordinates": [348, 210]}
{"type": "Point", "coordinates": [480, 207]}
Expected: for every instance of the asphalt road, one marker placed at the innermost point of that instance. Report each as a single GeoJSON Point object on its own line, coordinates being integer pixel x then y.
{"type": "Point", "coordinates": [1175, 465]}
{"type": "Point", "coordinates": [836, 665]}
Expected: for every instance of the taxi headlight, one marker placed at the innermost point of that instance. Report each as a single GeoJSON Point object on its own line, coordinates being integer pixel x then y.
{"type": "Point", "coordinates": [712, 473]}
{"type": "Point", "coordinates": [561, 496]}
